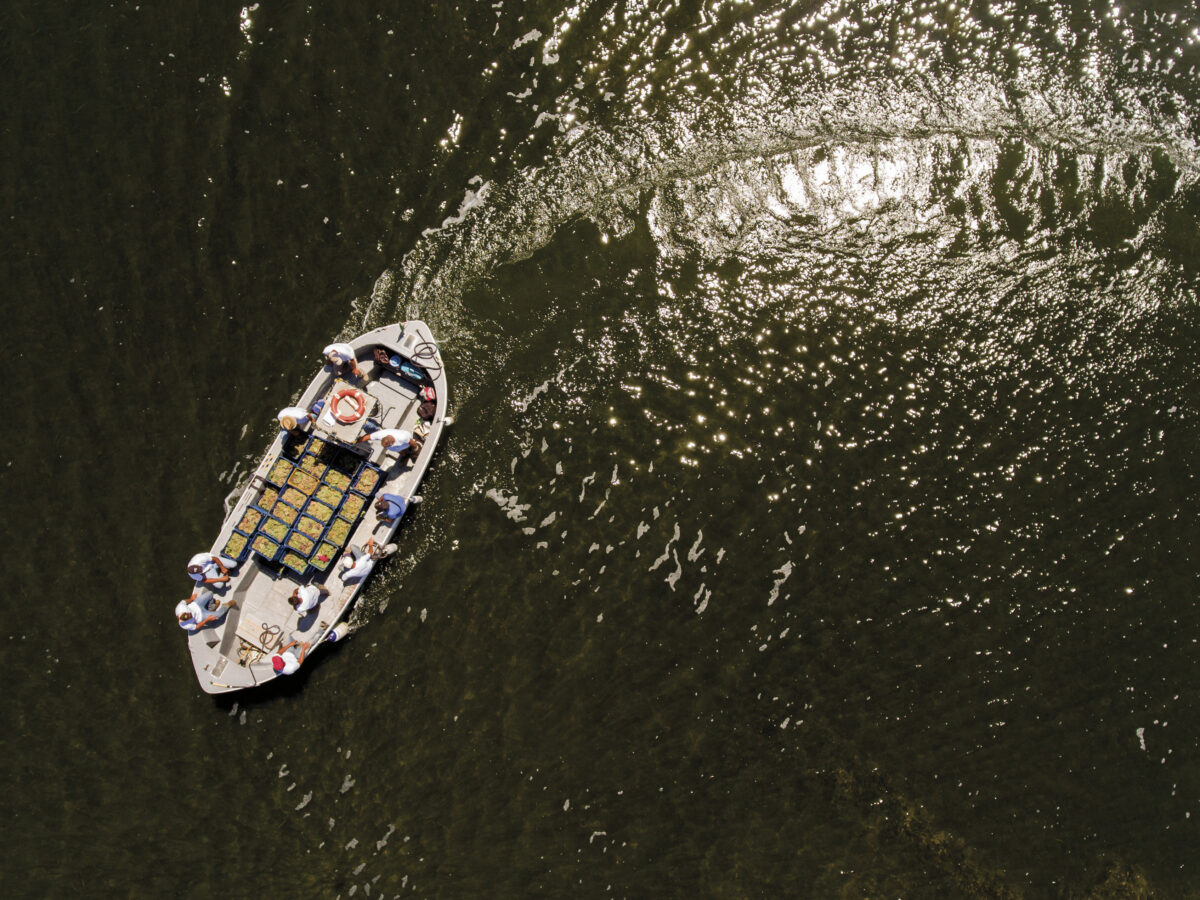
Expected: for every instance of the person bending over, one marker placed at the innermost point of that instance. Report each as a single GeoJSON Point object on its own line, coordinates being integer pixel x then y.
{"type": "Point", "coordinates": [341, 358]}
{"type": "Point", "coordinates": [285, 662]}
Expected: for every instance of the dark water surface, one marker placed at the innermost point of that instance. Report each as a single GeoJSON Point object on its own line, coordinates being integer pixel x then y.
{"type": "Point", "coordinates": [820, 517]}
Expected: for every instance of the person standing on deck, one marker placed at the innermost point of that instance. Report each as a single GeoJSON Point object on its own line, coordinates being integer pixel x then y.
{"type": "Point", "coordinates": [203, 568]}
{"type": "Point", "coordinates": [307, 597]}
{"type": "Point", "coordinates": [285, 662]}
{"type": "Point", "coordinates": [342, 358]}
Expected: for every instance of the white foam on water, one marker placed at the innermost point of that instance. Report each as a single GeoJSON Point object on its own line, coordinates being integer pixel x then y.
{"type": "Point", "coordinates": [583, 485]}
{"type": "Point", "coordinates": [677, 574]}
{"type": "Point", "coordinates": [382, 842]}
{"type": "Point", "coordinates": [786, 571]}
{"type": "Point", "coordinates": [509, 503]}
{"type": "Point", "coordinates": [666, 551]}
{"type": "Point", "coordinates": [527, 38]}
{"type": "Point", "coordinates": [470, 200]}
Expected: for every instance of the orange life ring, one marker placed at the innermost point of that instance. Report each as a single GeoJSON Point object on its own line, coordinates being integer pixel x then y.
{"type": "Point", "coordinates": [352, 396]}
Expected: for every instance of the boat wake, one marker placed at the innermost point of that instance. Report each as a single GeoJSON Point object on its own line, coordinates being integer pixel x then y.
{"type": "Point", "coordinates": [930, 168]}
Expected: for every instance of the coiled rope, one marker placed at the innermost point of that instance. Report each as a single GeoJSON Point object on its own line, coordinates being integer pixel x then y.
{"type": "Point", "coordinates": [426, 353]}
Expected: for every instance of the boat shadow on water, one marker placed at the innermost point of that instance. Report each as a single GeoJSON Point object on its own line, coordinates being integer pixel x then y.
{"type": "Point", "coordinates": [284, 686]}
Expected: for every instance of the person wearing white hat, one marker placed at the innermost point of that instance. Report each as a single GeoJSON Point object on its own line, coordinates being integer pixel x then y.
{"type": "Point", "coordinates": [285, 662]}
{"type": "Point", "coordinates": [356, 563]}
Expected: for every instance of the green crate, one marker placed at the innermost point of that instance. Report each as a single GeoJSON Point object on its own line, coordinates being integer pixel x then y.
{"type": "Point", "coordinates": [329, 495]}
{"type": "Point", "coordinates": [310, 527]}
{"type": "Point", "coordinates": [285, 512]}
{"type": "Point", "coordinates": [300, 543]}
{"type": "Point", "coordinates": [235, 547]}
{"type": "Point", "coordinates": [367, 480]}
{"type": "Point", "coordinates": [310, 463]}
{"type": "Point", "coordinates": [250, 519]}
{"type": "Point", "coordinates": [339, 481]}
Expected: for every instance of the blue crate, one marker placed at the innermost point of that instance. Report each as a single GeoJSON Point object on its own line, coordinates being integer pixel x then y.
{"type": "Point", "coordinates": [284, 546]}
{"type": "Point", "coordinates": [354, 481]}
{"type": "Point", "coordinates": [287, 564]}
{"type": "Point", "coordinates": [245, 551]}
{"type": "Point", "coordinates": [251, 508]}
{"type": "Point", "coordinates": [343, 510]}
{"type": "Point", "coordinates": [280, 483]}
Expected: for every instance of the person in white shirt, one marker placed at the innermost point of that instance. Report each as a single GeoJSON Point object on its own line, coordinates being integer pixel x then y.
{"type": "Point", "coordinates": [393, 440]}
{"type": "Point", "coordinates": [307, 597]}
{"type": "Point", "coordinates": [341, 357]}
{"type": "Point", "coordinates": [199, 610]}
{"type": "Point", "coordinates": [356, 563]}
{"type": "Point", "coordinates": [294, 418]}
{"type": "Point", "coordinates": [285, 662]}
{"type": "Point", "coordinates": [203, 568]}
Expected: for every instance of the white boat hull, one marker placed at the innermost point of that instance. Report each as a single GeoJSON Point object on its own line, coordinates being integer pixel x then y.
{"type": "Point", "coordinates": [235, 653]}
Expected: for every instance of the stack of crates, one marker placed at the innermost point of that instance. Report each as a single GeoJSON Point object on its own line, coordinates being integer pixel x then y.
{"type": "Point", "coordinates": [315, 494]}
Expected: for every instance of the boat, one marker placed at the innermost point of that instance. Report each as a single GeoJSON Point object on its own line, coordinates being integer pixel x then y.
{"type": "Point", "coordinates": [311, 498]}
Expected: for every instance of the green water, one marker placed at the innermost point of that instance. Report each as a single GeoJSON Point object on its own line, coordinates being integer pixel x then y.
{"type": "Point", "coordinates": [819, 517]}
